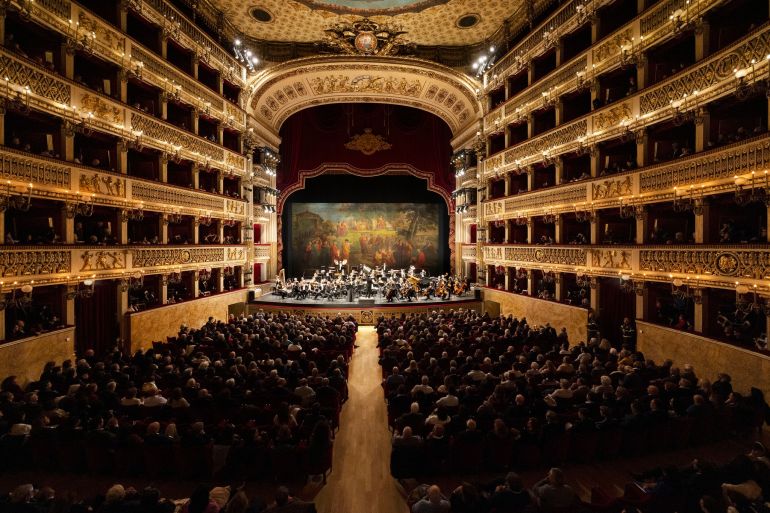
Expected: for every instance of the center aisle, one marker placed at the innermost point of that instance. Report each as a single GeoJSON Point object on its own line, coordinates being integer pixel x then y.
{"type": "Point", "coordinates": [361, 480]}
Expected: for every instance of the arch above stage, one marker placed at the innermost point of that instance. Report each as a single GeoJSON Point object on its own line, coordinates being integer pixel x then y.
{"type": "Point", "coordinates": [287, 88]}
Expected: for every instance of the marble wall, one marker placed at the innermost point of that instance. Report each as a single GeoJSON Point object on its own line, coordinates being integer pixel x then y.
{"type": "Point", "coordinates": [538, 312]}
{"type": "Point", "coordinates": [709, 357]}
{"type": "Point", "coordinates": [158, 323]}
{"type": "Point", "coordinates": [25, 358]}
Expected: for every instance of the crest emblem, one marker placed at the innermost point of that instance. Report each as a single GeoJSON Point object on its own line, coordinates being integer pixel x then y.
{"type": "Point", "coordinates": [368, 143]}
{"type": "Point", "coordinates": [366, 42]}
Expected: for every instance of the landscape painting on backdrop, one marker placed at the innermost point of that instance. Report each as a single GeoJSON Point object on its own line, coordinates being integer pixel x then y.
{"type": "Point", "coordinates": [375, 234]}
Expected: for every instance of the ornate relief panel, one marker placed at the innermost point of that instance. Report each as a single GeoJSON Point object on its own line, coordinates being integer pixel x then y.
{"type": "Point", "coordinates": [33, 262]}
{"type": "Point", "coordinates": [288, 88]}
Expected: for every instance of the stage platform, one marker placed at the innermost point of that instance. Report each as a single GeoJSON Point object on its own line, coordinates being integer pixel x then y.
{"type": "Point", "coordinates": [364, 311]}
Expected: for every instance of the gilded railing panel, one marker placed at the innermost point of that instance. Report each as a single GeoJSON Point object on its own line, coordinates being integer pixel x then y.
{"type": "Point", "coordinates": [718, 68]}
{"type": "Point", "coordinates": [469, 252]}
{"type": "Point", "coordinates": [152, 193]}
{"type": "Point", "coordinates": [17, 263]}
{"type": "Point", "coordinates": [262, 251]}
{"type": "Point", "coordinates": [18, 71]}
{"type": "Point", "coordinates": [708, 265]}
{"type": "Point", "coordinates": [24, 168]}
{"type": "Point", "coordinates": [738, 158]}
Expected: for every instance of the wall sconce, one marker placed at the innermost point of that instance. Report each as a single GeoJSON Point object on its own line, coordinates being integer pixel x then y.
{"type": "Point", "coordinates": [79, 207]}
{"type": "Point", "coordinates": [11, 201]}
{"type": "Point", "coordinates": [585, 215]}
{"type": "Point", "coordinates": [132, 214]}
{"type": "Point", "coordinates": [691, 201]}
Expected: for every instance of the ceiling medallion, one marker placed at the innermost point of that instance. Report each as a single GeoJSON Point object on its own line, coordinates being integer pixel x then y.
{"type": "Point", "coordinates": [372, 7]}
{"type": "Point", "coordinates": [365, 37]}
{"type": "Point", "coordinates": [368, 143]}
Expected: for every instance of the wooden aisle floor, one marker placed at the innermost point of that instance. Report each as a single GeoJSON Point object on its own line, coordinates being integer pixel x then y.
{"type": "Point", "coordinates": [360, 478]}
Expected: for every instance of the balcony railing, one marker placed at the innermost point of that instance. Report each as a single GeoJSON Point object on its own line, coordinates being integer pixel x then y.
{"type": "Point", "coordinates": [600, 58]}
{"type": "Point", "coordinates": [69, 264]}
{"type": "Point", "coordinates": [703, 82]}
{"type": "Point", "coordinates": [37, 87]}
{"type": "Point", "coordinates": [469, 252]}
{"type": "Point", "coordinates": [69, 182]}
{"type": "Point", "coordinates": [709, 172]}
{"type": "Point", "coordinates": [697, 265]}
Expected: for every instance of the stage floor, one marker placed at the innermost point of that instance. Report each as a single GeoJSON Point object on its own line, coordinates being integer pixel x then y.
{"type": "Point", "coordinates": [364, 313]}
{"type": "Point", "coordinates": [379, 301]}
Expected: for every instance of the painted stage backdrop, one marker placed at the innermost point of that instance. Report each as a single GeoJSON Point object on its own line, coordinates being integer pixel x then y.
{"type": "Point", "coordinates": [396, 234]}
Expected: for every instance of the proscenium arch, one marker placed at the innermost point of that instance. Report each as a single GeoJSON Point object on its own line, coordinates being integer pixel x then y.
{"type": "Point", "coordinates": [282, 90]}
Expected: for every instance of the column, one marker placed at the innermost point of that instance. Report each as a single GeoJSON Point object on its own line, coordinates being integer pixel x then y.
{"type": "Point", "coordinates": [642, 142]}
{"type": "Point", "coordinates": [163, 292]}
{"type": "Point", "coordinates": [702, 37]}
{"type": "Point", "coordinates": [596, 234]}
{"type": "Point", "coordinates": [68, 143]}
{"type": "Point", "coordinates": [2, 323]}
{"type": "Point", "coordinates": [68, 61]}
{"type": "Point", "coordinates": [220, 133]}
{"type": "Point", "coordinates": [558, 170]}
{"type": "Point", "coordinates": [123, 85]}
{"type": "Point", "coordinates": [163, 229]}
{"type": "Point", "coordinates": [702, 221]}
{"type": "Point", "coordinates": [221, 227]}
{"type": "Point", "coordinates": [559, 108]}
{"type": "Point", "coordinates": [530, 231]}
{"type": "Point", "coordinates": [195, 61]}
{"type": "Point", "coordinates": [507, 181]}
{"type": "Point", "coordinates": [530, 282]}
{"type": "Point", "coordinates": [2, 228]}
{"type": "Point", "coordinates": [595, 155]}
{"type": "Point", "coordinates": [702, 129]}
{"type": "Point", "coordinates": [220, 182]}
{"type": "Point", "coordinates": [2, 35]}
{"type": "Point", "coordinates": [123, 16]}
{"type": "Point", "coordinates": [196, 176]}
{"type": "Point", "coordinates": [68, 305]}
{"type": "Point", "coordinates": [163, 167]}
{"type": "Point", "coordinates": [122, 156]}
{"type": "Point", "coordinates": [507, 283]}
{"type": "Point", "coordinates": [194, 117]}
{"type": "Point", "coordinates": [530, 73]}
{"type": "Point", "coordinates": [558, 235]}
{"type": "Point", "coordinates": [2, 129]}
{"type": "Point", "coordinates": [642, 226]}
{"type": "Point", "coordinates": [530, 126]}
{"type": "Point", "coordinates": [641, 292]}
{"type": "Point", "coordinates": [640, 6]}
{"type": "Point", "coordinates": [595, 295]}
{"type": "Point", "coordinates": [195, 285]}
{"type": "Point", "coordinates": [642, 71]}
{"type": "Point", "coordinates": [122, 309]}
{"type": "Point", "coordinates": [530, 178]}
{"type": "Point", "coordinates": [596, 24]}
{"type": "Point", "coordinates": [68, 225]}
{"type": "Point", "coordinates": [196, 231]}
{"type": "Point", "coordinates": [164, 46]}
{"type": "Point", "coordinates": [559, 289]}
{"type": "Point", "coordinates": [163, 106]}
{"type": "Point", "coordinates": [122, 233]}
{"type": "Point", "coordinates": [701, 300]}
{"type": "Point", "coordinates": [507, 236]}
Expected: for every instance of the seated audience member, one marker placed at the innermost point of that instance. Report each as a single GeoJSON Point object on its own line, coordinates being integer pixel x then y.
{"type": "Point", "coordinates": [433, 502]}
{"type": "Point", "coordinates": [285, 503]}
{"type": "Point", "coordinates": [552, 493]}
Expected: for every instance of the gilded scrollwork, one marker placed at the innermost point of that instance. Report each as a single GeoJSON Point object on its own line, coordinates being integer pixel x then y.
{"type": "Point", "coordinates": [739, 263]}
{"type": "Point", "coordinates": [561, 136]}
{"type": "Point", "coordinates": [34, 262]}
{"type": "Point", "coordinates": [155, 130]}
{"type": "Point", "coordinates": [151, 257]}
{"type": "Point", "coordinates": [39, 82]}
{"type": "Point", "coordinates": [366, 84]}
{"type": "Point", "coordinates": [612, 46]}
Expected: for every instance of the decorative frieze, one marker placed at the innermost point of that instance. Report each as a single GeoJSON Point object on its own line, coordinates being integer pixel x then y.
{"type": "Point", "coordinates": [612, 188]}
{"type": "Point", "coordinates": [33, 262]}
{"type": "Point", "coordinates": [158, 257]}
{"type": "Point", "coordinates": [20, 167]}
{"type": "Point", "coordinates": [108, 185]}
{"type": "Point", "coordinates": [153, 193]}
{"type": "Point", "coordinates": [103, 260]}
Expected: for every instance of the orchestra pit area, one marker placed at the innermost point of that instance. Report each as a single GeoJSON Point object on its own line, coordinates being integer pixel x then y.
{"type": "Point", "coordinates": [384, 256]}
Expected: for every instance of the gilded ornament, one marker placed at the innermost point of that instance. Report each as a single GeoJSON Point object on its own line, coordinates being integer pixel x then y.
{"type": "Point", "coordinates": [368, 143]}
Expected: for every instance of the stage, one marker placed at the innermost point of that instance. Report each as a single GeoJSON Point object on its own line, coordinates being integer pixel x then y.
{"type": "Point", "coordinates": [365, 311]}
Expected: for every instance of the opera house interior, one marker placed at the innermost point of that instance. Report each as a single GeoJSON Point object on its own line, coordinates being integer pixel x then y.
{"type": "Point", "coordinates": [386, 256]}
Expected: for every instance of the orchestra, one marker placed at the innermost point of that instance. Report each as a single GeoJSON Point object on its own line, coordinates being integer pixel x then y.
{"type": "Point", "coordinates": [334, 283]}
